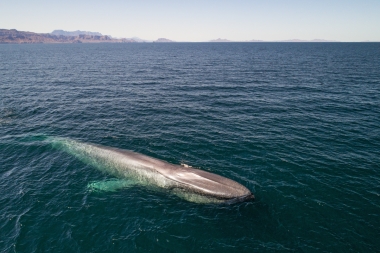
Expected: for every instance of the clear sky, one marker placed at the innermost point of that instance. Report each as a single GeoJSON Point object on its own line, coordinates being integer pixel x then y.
{"type": "Point", "coordinates": [197, 20]}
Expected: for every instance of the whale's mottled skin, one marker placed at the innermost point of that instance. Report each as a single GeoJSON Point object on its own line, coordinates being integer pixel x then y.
{"type": "Point", "coordinates": [192, 184]}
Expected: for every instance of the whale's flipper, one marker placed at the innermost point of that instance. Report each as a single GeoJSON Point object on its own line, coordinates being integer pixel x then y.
{"type": "Point", "coordinates": [110, 185]}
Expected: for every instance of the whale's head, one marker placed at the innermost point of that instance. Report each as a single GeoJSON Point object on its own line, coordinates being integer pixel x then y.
{"type": "Point", "coordinates": [209, 185]}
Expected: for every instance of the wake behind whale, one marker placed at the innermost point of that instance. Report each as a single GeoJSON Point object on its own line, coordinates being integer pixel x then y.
{"type": "Point", "coordinates": [133, 168]}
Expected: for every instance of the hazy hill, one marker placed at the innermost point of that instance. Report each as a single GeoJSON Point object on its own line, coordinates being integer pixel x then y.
{"type": "Point", "coordinates": [314, 40]}
{"type": "Point", "coordinates": [137, 39]}
{"type": "Point", "coordinates": [291, 40]}
{"type": "Point", "coordinates": [220, 40]}
{"type": "Point", "coordinates": [163, 40]}
{"type": "Point", "coordinates": [255, 41]}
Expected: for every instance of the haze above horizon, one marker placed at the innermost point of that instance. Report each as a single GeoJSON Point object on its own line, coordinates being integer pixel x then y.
{"type": "Point", "coordinates": [200, 20]}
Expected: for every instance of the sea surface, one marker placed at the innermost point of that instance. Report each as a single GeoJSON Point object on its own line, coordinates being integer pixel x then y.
{"type": "Point", "coordinates": [296, 123]}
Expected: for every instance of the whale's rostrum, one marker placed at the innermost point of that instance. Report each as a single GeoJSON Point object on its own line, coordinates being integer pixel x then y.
{"type": "Point", "coordinates": [133, 168]}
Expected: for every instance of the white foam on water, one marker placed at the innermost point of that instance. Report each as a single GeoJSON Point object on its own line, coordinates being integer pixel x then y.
{"type": "Point", "coordinates": [110, 185]}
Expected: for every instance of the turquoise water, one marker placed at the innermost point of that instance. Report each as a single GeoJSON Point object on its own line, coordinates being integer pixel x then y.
{"type": "Point", "coordinates": [296, 123]}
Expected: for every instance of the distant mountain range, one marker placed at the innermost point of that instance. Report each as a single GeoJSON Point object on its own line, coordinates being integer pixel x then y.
{"type": "Point", "coordinates": [19, 37]}
{"type": "Point", "coordinates": [292, 40]}
{"type": "Point", "coordinates": [61, 36]}
{"type": "Point", "coordinates": [75, 33]}
{"type": "Point", "coordinates": [13, 36]}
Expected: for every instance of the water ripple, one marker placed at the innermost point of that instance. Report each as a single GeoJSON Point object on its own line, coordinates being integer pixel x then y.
{"type": "Point", "coordinates": [296, 123]}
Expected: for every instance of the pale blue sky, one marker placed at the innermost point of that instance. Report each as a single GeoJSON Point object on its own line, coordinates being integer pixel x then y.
{"type": "Point", "coordinates": [349, 20]}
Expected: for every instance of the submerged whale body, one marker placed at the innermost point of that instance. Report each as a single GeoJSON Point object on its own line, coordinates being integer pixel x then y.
{"type": "Point", "coordinates": [133, 168]}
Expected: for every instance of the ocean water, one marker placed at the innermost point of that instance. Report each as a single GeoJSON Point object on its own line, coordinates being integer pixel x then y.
{"type": "Point", "coordinates": [296, 123]}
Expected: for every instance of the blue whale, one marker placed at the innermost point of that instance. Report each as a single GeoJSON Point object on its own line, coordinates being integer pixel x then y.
{"type": "Point", "coordinates": [133, 168]}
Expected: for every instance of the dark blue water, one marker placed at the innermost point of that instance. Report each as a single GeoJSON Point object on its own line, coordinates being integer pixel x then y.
{"type": "Point", "coordinates": [296, 123]}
